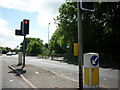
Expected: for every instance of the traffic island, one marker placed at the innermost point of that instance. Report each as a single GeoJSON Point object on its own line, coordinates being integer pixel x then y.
{"type": "Point", "coordinates": [41, 78]}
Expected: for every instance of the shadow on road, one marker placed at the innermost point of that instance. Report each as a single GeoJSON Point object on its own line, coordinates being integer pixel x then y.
{"type": "Point", "coordinates": [18, 72]}
{"type": "Point", "coordinates": [110, 66]}
{"type": "Point", "coordinates": [75, 62]}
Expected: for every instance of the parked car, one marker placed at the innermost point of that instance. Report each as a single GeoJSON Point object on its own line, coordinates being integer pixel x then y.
{"type": "Point", "coordinates": [9, 53]}
{"type": "Point", "coordinates": [14, 53]}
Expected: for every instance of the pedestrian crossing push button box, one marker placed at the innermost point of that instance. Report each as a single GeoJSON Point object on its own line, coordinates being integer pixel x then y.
{"type": "Point", "coordinates": [91, 70]}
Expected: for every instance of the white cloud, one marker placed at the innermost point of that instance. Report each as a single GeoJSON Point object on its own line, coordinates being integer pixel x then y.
{"type": "Point", "coordinates": [30, 5]}
{"type": "Point", "coordinates": [7, 37]}
{"type": "Point", "coordinates": [46, 9]}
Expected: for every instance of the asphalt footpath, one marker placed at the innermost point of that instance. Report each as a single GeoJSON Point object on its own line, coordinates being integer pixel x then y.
{"type": "Point", "coordinates": [41, 78]}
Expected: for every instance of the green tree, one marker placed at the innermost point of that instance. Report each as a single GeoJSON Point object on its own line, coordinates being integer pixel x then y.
{"type": "Point", "coordinates": [66, 33]}
{"type": "Point", "coordinates": [5, 49]}
{"type": "Point", "coordinates": [34, 46]}
{"type": "Point", "coordinates": [100, 28]}
{"type": "Point", "coordinates": [108, 15]}
{"type": "Point", "coordinates": [16, 49]}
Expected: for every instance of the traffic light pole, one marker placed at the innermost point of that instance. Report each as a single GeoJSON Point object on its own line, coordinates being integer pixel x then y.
{"type": "Point", "coordinates": [24, 30]}
{"type": "Point", "coordinates": [24, 52]}
{"type": "Point", "coordinates": [80, 49]}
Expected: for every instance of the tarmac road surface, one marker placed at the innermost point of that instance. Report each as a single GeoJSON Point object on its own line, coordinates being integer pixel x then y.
{"type": "Point", "coordinates": [9, 80]}
{"type": "Point", "coordinates": [108, 76]}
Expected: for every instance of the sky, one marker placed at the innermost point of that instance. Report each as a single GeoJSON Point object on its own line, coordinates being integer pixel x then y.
{"type": "Point", "coordinates": [39, 12]}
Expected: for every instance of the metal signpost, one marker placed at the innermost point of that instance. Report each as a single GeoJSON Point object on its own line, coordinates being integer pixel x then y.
{"type": "Point", "coordinates": [24, 52]}
{"type": "Point", "coordinates": [89, 7]}
{"type": "Point", "coordinates": [80, 48]}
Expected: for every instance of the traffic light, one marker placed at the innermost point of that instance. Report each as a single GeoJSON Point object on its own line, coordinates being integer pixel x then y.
{"type": "Point", "coordinates": [46, 45]}
{"type": "Point", "coordinates": [21, 26]}
{"type": "Point", "coordinates": [25, 27]}
{"type": "Point", "coordinates": [88, 6]}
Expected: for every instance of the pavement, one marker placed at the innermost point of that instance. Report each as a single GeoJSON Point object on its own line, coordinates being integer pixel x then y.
{"type": "Point", "coordinates": [40, 78]}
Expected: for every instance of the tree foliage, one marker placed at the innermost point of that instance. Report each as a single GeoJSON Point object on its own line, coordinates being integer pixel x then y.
{"type": "Point", "coordinates": [108, 15]}
{"type": "Point", "coordinates": [5, 49]}
{"type": "Point", "coordinates": [102, 31]}
{"type": "Point", "coordinates": [100, 28]}
{"type": "Point", "coordinates": [33, 46]}
{"type": "Point", "coordinates": [66, 33]}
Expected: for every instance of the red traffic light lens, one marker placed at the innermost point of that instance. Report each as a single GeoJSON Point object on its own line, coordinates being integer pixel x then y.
{"type": "Point", "coordinates": [26, 22]}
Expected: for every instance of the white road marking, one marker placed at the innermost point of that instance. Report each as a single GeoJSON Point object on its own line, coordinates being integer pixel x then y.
{"type": "Point", "coordinates": [27, 81]}
{"type": "Point", "coordinates": [11, 80]}
{"type": "Point", "coordinates": [104, 79]}
{"type": "Point", "coordinates": [103, 86]}
{"type": "Point", "coordinates": [62, 75]}
{"type": "Point", "coordinates": [36, 72]}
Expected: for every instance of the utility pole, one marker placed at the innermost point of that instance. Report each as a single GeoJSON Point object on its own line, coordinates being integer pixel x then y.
{"type": "Point", "coordinates": [80, 49]}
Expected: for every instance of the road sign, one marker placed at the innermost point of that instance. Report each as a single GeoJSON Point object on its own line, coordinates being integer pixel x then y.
{"type": "Point", "coordinates": [91, 70]}
{"type": "Point", "coordinates": [87, 6]}
{"type": "Point", "coordinates": [94, 60]}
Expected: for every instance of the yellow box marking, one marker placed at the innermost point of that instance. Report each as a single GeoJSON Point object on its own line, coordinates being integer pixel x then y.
{"type": "Point", "coordinates": [86, 76]}
{"type": "Point", "coordinates": [95, 76]}
{"type": "Point", "coordinates": [75, 49]}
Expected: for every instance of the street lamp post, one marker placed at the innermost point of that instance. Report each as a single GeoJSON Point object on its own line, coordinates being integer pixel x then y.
{"type": "Point", "coordinates": [48, 33]}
